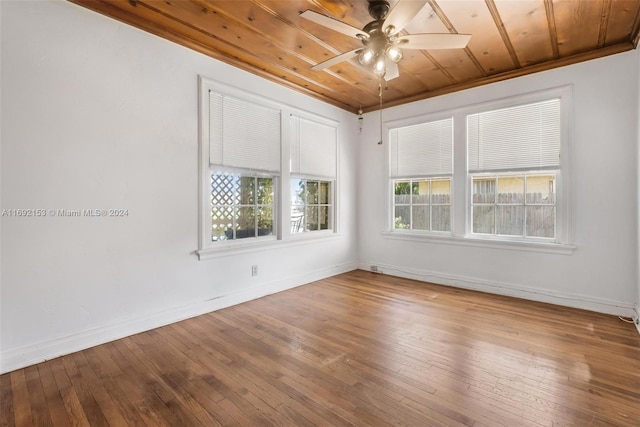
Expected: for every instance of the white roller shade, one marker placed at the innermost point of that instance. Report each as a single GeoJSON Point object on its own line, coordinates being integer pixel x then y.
{"type": "Point", "coordinates": [243, 134]}
{"type": "Point", "coordinates": [313, 148]}
{"type": "Point", "coordinates": [515, 138]}
{"type": "Point", "coordinates": [422, 150]}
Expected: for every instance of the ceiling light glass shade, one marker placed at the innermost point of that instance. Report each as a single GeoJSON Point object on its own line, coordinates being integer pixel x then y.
{"type": "Point", "coordinates": [394, 54]}
{"type": "Point", "coordinates": [366, 56]}
{"type": "Point", "coordinates": [380, 67]}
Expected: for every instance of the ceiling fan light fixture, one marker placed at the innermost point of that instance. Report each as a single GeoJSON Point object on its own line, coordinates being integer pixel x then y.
{"type": "Point", "coordinates": [394, 53]}
{"type": "Point", "coordinates": [366, 56]}
{"type": "Point", "coordinates": [380, 67]}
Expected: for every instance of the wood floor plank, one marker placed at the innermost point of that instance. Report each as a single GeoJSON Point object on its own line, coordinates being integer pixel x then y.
{"type": "Point", "coordinates": [350, 350]}
{"type": "Point", "coordinates": [7, 415]}
{"type": "Point", "coordinates": [21, 399]}
{"type": "Point", "coordinates": [55, 403]}
{"type": "Point", "coordinates": [39, 409]}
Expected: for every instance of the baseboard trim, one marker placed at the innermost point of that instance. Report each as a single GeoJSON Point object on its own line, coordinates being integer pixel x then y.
{"type": "Point", "coordinates": [637, 317]}
{"type": "Point", "coordinates": [584, 302]}
{"type": "Point", "coordinates": [21, 357]}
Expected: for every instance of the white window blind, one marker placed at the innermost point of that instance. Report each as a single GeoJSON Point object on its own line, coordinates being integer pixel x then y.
{"type": "Point", "coordinates": [313, 148]}
{"type": "Point", "coordinates": [422, 150]}
{"type": "Point", "coordinates": [243, 134]}
{"type": "Point", "coordinates": [515, 138]}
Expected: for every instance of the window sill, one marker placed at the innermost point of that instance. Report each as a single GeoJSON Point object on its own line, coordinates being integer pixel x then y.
{"type": "Point", "coordinates": [448, 239]}
{"type": "Point", "coordinates": [232, 248]}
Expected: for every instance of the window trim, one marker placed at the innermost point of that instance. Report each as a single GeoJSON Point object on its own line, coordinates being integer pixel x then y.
{"type": "Point", "coordinates": [461, 188]}
{"type": "Point", "coordinates": [282, 237]}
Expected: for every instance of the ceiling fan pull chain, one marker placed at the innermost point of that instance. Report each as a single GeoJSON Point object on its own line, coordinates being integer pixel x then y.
{"type": "Point", "coordinates": [380, 95]}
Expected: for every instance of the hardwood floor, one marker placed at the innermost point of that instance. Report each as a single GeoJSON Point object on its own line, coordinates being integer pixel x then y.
{"type": "Point", "coordinates": [356, 349]}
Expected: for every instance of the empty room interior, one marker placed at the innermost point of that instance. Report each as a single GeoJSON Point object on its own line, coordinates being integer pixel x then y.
{"type": "Point", "coordinates": [320, 212]}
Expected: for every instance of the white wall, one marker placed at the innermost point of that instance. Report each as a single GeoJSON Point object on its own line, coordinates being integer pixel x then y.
{"type": "Point", "coordinates": [601, 274]}
{"type": "Point", "coordinates": [99, 115]}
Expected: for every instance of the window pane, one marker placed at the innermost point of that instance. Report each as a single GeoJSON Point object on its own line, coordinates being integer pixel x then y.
{"type": "Point", "coordinates": [441, 218]}
{"type": "Point", "coordinates": [402, 217]}
{"type": "Point", "coordinates": [298, 195]}
{"type": "Point", "coordinates": [541, 221]}
{"type": "Point", "coordinates": [265, 191]}
{"type": "Point", "coordinates": [265, 221]}
{"type": "Point", "coordinates": [441, 191]}
{"type": "Point", "coordinates": [312, 218]}
{"type": "Point", "coordinates": [246, 222]}
{"type": "Point", "coordinates": [221, 223]}
{"type": "Point", "coordinates": [402, 191]}
{"type": "Point", "coordinates": [511, 190]}
{"type": "Point", "coordinates": [420, 217]}
{"type": "Point", "coordinates": [312, 192]}
{"type": "Point", "coordinates": [483, 220]}
{"type": "Point", "coordinates": [420, 193]}
{"type": "Point", "coordinates": [484, 190]}
{"type": "Point", "coordinates": [510, 220]}
{"type": "Point", "coordinates": [324, 218]}
{"type": "Point", "coordinates": [541, 189]}
{"type": "Point", "coordinates": [324, 193]}
{"type": "Point", "coordinates": [247, 190]}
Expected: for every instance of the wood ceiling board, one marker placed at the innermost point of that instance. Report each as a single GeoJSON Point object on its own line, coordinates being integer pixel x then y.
{"type": "Point", "coordinates": [457, 64]}
{"type": "Point", "coordinates": [422, 68]}
{"type": "Point", "coordinates": [622, 18]}
{"type": "Point", "coordinates": [525, 22]}
{"type": "Point", "coordinates": [473, 17]}
{"type": "Point", "coordinates": [581, 25]}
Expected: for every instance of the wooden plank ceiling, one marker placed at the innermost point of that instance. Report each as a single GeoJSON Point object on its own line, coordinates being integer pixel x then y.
{"type": "Point", "coordinates": [268, 38]}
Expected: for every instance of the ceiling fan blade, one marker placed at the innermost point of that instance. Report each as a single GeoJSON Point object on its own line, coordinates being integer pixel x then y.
{"type": "Point", "coordinates": [336, 59]}
{"type": "Point", "coordinates": [402, 14]}
{"type": "Point", "coordinates": [333, 24]}
{"type": "Point", "coordinates": [392, 71]}
{"type": "Point", "coordinates": [434, 41]}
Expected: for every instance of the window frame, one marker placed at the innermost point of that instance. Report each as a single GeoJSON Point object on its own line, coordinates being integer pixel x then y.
{"type": "Point", "coordinates": [282, 236]}
{"type": "Point", "coordinates": [461, 180]}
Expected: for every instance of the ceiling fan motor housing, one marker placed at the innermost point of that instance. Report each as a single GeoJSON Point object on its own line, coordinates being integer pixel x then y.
{"type": "Point", "coordinates": [378, 9]}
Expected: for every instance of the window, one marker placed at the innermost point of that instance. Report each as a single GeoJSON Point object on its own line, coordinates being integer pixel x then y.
{"type": "Point", "coordinates": [268, 172]}
{"type": "Point", "coordinates": [421, 164]}
{"type": "Point", "coordinates": [313, 171]}
{"type": "Point", "coordinates": [509, 181]}
{"type": "Point", "coordinates": [241, 206]}
{"type": "Point", "coordinates": [244, 164]}
{"type": "Point", "coordinates": [520, 145]}
{"type": "Point", "coordinates": [312, 207]}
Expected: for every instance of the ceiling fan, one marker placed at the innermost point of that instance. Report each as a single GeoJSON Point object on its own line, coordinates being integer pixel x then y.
{"type": "Point", "coordinates": [381, 39]}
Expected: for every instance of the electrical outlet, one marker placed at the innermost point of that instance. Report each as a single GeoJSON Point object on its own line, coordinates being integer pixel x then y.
{"type": "Point", "coordinates": [374, 268]}
{"type": "Point", "coordinates": [254, 270]}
